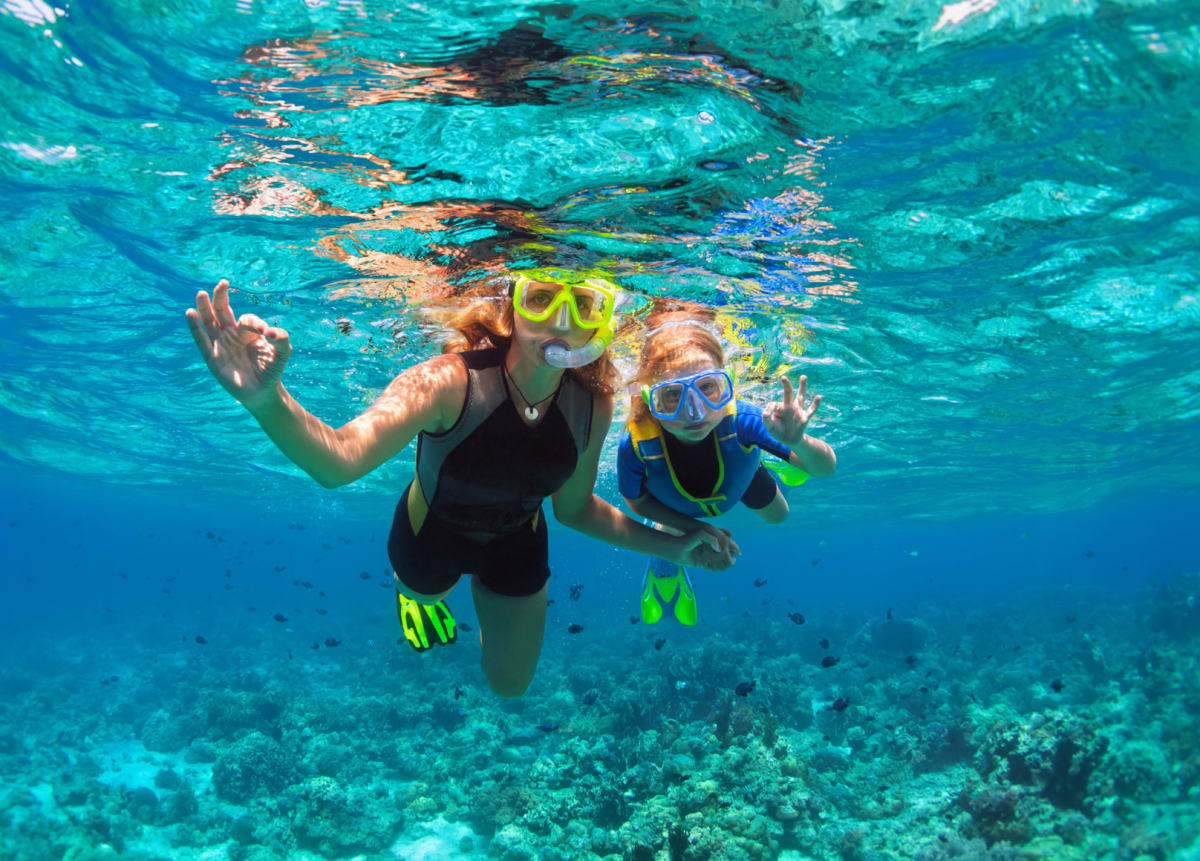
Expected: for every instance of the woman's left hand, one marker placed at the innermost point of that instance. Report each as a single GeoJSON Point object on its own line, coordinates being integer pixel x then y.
{"type": "Point", "coordinates": [787, 421]}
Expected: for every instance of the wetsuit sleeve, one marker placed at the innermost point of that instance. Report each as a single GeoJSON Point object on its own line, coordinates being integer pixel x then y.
{"type": "Point", "coordinates": [752, 431]}
{"type": "Point", "coordinates": [631, 472]}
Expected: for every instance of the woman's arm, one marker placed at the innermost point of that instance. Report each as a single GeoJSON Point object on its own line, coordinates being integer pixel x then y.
{"type": "Point", "coordinates": [648, 506]}
{"type": "Point", "coordinates": [577, 506]}
{"type": "Point", "coordinates": [248, 358]}
{"type": "Point", "coordinates": [428, 396]}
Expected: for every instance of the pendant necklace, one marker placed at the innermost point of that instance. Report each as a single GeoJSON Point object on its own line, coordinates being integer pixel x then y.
{"type": "Point", "coordinates": [531, 410]}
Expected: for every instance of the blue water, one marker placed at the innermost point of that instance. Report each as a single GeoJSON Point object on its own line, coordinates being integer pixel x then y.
{"type": "Point", "coordinates": [972, 226]}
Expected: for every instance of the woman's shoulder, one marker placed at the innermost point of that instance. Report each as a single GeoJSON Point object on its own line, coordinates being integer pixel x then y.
{"type": "Point", "coordinates": [445, 373]}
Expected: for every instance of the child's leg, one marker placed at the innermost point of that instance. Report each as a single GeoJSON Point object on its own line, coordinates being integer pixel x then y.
{"type": "Point", "coordinates": [775, 511]}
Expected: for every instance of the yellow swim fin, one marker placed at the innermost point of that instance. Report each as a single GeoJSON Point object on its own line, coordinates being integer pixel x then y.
{"type": "Point", "coordinates": [666, 582]}
{"type": "Point", "coordinates": [418, 620]}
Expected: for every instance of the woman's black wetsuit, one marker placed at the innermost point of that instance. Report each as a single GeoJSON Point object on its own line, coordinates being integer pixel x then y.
{"type": "Point", "coordinates": [484, 480]}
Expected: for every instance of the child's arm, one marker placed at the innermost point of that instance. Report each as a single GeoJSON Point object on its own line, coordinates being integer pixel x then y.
{"type": "Point", "coordinates": [788, 421]}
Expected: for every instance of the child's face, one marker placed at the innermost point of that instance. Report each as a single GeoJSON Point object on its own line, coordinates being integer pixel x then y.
{"type": "Point", "coordinates": [685, 427]}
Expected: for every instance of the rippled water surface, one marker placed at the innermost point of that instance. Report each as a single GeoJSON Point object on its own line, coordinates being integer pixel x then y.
{"type": "Point", "coordinates": [973, 226]}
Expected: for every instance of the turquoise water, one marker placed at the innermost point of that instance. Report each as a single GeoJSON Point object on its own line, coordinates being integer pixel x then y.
{"type": "Point", "coordinates": [973, 227]}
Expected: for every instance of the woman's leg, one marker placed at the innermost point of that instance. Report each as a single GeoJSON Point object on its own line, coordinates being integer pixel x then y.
{"type": "Point", "coordinates": [510, 633]}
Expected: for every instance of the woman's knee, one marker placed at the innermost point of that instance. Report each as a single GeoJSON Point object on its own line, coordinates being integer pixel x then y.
{"type": "Point", "coordinates": [506, 682]}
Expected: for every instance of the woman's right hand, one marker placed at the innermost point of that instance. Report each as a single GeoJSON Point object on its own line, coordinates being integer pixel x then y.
{"type": "Point", "coordinates": [245, 354]}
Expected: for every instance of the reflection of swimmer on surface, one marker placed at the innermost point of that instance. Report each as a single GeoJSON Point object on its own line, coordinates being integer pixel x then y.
{"type": "Point", "coordinates": [514, 412]}
{"type": "Point", "coordinates": [693, 450]}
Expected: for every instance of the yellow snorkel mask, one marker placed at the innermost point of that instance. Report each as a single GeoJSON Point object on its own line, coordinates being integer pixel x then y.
{"type": "Point", "coordinates": [589, 299]}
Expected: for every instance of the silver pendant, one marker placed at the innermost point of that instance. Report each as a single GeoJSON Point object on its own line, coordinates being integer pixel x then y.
{"type": "Point", "coordinates": [531, 413]}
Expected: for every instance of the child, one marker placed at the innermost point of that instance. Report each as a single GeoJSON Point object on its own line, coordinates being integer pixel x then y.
{"type": "Point", "coordinates": [692, 449]}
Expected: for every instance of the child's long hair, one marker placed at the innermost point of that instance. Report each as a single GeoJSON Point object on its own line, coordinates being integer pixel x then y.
{"type": "Point", "coordinates": [673, 337]}
{"type": "Point", "coordinates": [488, 322]}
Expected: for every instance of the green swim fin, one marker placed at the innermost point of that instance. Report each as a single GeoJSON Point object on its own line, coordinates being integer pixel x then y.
{"type": "Point", "coordinates": [418, 620]}
{"type": "Point", "coordinates": [666, 582]}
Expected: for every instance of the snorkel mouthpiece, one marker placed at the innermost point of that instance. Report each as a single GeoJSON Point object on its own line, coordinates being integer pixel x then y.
{"type": "Point", "coordinates": [560, 357]}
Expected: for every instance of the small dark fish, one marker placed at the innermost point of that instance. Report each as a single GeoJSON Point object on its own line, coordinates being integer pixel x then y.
{"type": "Point", "coordinates": [124, 576]}
{"type": "Point", "coordinates": [547, 727]}
{"type": "Point", "coordinates": [798, 618]}
{"type": "Point", "coordinates": [1057, 685]}
{"type": "Point", "coordinates": [717, 165]}
{"type": "Point", "coordinates": [315, 645]}
{"type": "Point", "coordinates": [279, 568]}
{"type": "Point", "coordinates": [590, 698]}
{"type": "Point", "coordinates": [279, 617]}
{"type": "Point", "coordinates": [910, 660]}
{"type": "Point", "coordinates": [463, 626]}
{"type": "Point", "coordinates": [458, 693]}
{"type": "Point", "coordinates": [1071, 620]}
{"type": "Point", "coordinates": [823, 642]}
{"type": "Point", "coordinates": [659, 643]}
{"type": "Point", "coordinates": [829, 661]}
{"type": "Point", "coordinates": [321, 611]}
{"type": "Point", "coordinates": [839, 705]}
{"type": "Point", "coordinates": [576, 591]}
{"type": "Point", "coordinates": [744, 688]}
{"type": "Point", "coordinates": [633, 620]}
{"type": "Point", "coordinates": [574, 628]}
{"type": "Point", "coordinates": [816, 560]}
{"type": "Point", "coordinates": [332, 641]}
{"type": "Point", "coordinates": [201, 640]}
{"type": "Point", "coordinates": [889, 612]}
{"type": "Point", "coordinates": [365, 575]}
{"type": "Point", "coordinates": [760, 583]}
{"type": "Point", "coordinates": [1090, 554]}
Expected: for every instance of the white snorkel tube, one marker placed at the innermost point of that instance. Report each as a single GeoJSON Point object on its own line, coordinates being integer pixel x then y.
{"type": "Point", "coordinates": [560, 357]}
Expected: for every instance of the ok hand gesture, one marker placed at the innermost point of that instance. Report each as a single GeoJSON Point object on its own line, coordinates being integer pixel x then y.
{"type": "Point", "coordinates": [245, 355]}
{"type": "Point", "coordinates": [787, 421]}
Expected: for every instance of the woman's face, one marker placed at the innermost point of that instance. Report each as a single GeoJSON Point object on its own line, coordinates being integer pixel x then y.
{"type": "Point", "coordinates": [531, 338]}
{"type": "Point", "coordinates": [688, 428]}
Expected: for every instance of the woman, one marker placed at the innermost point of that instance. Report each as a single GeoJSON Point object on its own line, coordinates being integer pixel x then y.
{"type": "Point", "coordinates": [500, 428]}
{"type": "Point", "coordinates": [693, 450]}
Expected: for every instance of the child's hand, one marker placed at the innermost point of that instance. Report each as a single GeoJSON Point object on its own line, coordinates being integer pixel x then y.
{"type": "Point", "coordinates": [696, 551]}
{"type": "Point", "coordinates": [720, 540]}
{"type": "Point", "coordinates": [787, 421]}
{"type": "Point", "coordinates": [245, 355]}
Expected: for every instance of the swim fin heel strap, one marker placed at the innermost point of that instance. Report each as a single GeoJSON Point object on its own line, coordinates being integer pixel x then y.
{"type": "Point", "coordinates": [420, 622]}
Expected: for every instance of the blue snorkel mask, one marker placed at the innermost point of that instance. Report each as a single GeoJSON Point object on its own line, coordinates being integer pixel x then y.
{"type": "Point", "coordinates": [690, 397]}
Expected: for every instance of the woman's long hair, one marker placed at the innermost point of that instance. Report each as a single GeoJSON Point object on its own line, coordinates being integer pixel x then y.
{"type": "Point", "coordinates": [674, 336]}
{"type": "Point", "coordinates": [488, 322]}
